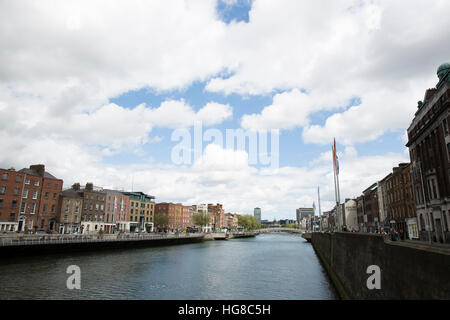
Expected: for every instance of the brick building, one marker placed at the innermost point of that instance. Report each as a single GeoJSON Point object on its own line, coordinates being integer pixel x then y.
{"type": "Point", "coordinates": [11, 185]}
{"type": "Point", "coordinates": [368, 210]}
{"type": "Point", "coordinates": [180, 216]}
{"type": "Point", "coordinates": [116, 210]}
{"type": "Point", "coordinates": [39, 200]}
{"type": "Point", "coordinates": [429, 149]}
{"type": "Point", "coordinates": [217, 216]}
{"type": "Point", "coordinates": [400, 201]}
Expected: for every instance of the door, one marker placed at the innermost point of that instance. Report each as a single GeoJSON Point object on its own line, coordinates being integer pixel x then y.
{"type": "Point", "coordinates": [439, 231]}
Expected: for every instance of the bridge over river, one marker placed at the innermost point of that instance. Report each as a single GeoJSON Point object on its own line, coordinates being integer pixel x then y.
{"type": "Point", "coordinates": [289, 230]}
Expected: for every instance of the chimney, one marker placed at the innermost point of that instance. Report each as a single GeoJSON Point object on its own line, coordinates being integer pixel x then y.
{"type": "Point", "coordinates": [76, 186]}
{"type": "Point", "coordinates": [89, 186]}
{"type": "Point", "coordinates": [39, 168]}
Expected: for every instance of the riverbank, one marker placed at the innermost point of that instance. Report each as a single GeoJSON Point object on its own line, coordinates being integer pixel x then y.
{"type": "Point", "coordinates": [407, 271]}
{"type": "Point", "coordinates": [35, 245]}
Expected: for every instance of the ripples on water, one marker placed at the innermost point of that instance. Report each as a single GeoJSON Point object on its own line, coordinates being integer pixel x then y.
{"type": "Point", "coordinates": [270, 266]}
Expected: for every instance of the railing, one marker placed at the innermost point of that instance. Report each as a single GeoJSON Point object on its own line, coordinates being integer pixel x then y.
{"type": "Point", "coordinates": [20, 241]}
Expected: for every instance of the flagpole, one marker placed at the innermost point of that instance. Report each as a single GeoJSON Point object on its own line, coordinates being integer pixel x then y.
{"type": "Point", "coordinates": [339, 202]}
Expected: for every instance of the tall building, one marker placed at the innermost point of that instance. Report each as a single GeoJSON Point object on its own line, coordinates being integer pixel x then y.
{"type": "Point", "coordinates": [116, 210]}
{"type": "Point", "coordinates": [429, 150]}
{"type": "Point", "coordinates": [368, 210]}
{"type": "Point", "coordinates": [39, 200]}
{"type": "Point", "coordinates": [304, 213]}
{"type": "Point", "coordinates": [11, 186]}
{"type": "Point", "coordinates": [70, 206]}
{"type": "Point", "coordinates": [401, 206]}
{"type": "Point", "coordinates": [141, 212]}
{"type": "Point", "coordinates": [93, 213]}
{"type": "Point", "coordinates": [257, 214]}
{"type": "Point", "coordinates": [217, 216]}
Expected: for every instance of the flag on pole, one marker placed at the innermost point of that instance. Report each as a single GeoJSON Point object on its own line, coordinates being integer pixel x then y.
{"type": "Point", "coordinates": [335, 158]}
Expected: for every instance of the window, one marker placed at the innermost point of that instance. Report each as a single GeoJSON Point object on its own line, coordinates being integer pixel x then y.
{"type": "Point", "coordinates": [67, 208]}
{"type": "Point", "coordinates": [44, 208]}
{"type": "Point", "coordinates": [102, 207]}
{"type": "Point", "coordinates": [23, 207]}
{"type": "Point", "coordinates": [42, 223]}
{"type": "Point", "coordinates": [56, 186]}
{"type": "Point", "coordinates": [35, 194]}
{"type": "Point", "coordinates": [96, 206]}
{"type": "Point", "coordinates": [2, 190]}
{"type": "Point", "coordinates": [33, 208]}
{"type": "Point", "coordinates": [12, 217]}
{"type": "Point", "coordinates": [445, 124]}
{"type": "Point", "coordinates": [36, 183]}
{"type": "Point", "coordinates": [18, 178]}
{"type": "Point", "coordinates": [14, 204]}
{"type": "Point", "coordinates": [25, 194]}
{"type": "Point", "coordinates": [5, 176]}
{"type": "Point", "coordinates": [27, 181]}
{"type": "Point", "coordinates": [53, 208]}
{"type": "Point", "coordinates": [47, 184]}
{"type": "Point", "coordinates": [448, 151]}
{"type": "Point", "coordinates": [16, 191]}
{"type": "Point", "coordinates": [1, 203]}
{"type": "Point", "coordinates": [54, 196]}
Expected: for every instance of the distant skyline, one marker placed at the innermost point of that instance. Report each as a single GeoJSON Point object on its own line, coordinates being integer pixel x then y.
{"type": "Point", "coordinates": [94, 90]}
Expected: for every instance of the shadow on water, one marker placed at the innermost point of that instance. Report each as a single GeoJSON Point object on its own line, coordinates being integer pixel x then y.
{"type": "Point", "coordinates": [269, 266]}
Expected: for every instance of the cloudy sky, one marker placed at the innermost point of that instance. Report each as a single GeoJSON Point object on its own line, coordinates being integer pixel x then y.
{"type": "Point", "coordinates": [96, 89]}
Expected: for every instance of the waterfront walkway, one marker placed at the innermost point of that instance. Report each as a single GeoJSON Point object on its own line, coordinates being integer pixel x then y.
{"type": "Point", "coordinates": [61, 239]}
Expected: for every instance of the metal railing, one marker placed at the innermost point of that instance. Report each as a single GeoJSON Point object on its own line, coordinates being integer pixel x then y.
{"type": "Point", "coordinates": [20, 241]}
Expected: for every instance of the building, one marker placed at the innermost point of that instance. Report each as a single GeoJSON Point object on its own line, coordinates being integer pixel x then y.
{"type": "Point", "coordinates": [217, 216]}
{"type": "Point", "coordinates": [70, 206]}
{"type": "Point", "coordinates": [180, 216]}
{"type": "Point", "coordinates": [257, 214]}
{"type": "Point", "coordinates": [116, 210]}
{"type": "Point", "coordinates": [303, 213]}
{"type": "Point", "coordinates": [93, 213]}
{"type": "Point", "coordinates": [11, 186]}
{"type": "Point", "coordinates": [429, 150]}
{"type": "Point", "coordinates": [383, 201]}
{"type": "Point", "coordinates": [232, 221]}
{"type": "Point", "coordinates": [203, 208]}
{"type": "Point", "coordinates": [401, 205]}
{"type": "Point", "coordinates": [351, 216]}
{"type": "Point", "coordinates": [39, 200]}
{"type": "Point", "coordinates": [141, 212]}
{"type": "Point", "coordinates": [367, 210]}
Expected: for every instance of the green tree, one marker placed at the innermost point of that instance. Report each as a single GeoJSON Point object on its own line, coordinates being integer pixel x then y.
{"type": "Point", "coordinates": [161, 220]}
{"type": "Point", "coordinates": [248, 222]}
{"type": "Point", "coordinates": [201, 218]}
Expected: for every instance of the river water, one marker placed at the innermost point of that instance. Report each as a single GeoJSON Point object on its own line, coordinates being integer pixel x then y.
{"type": "Point", "coordinates": [269, 266]}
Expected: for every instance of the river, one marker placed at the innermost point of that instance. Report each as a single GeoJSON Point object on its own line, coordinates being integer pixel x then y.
{"type": "Point", "coordinates": [275, 266]}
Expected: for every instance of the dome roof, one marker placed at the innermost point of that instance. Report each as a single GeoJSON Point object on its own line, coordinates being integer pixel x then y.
{"type": "Point", "coordinates": [443, 68]}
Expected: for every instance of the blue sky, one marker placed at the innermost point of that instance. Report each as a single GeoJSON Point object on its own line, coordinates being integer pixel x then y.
{"type": "Point", "coordinates": [120, 78]}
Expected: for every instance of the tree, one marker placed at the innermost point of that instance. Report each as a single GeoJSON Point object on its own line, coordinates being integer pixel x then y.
{"type": "Point", "coordinates": [201, 218]}
{"type": "Point", "coordinates": [161, 220]}
{"type": "Point", "coordinates": [248, 222]}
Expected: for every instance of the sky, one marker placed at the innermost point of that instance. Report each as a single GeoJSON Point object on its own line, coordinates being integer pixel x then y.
{"type": "Point", "coordinates": [117, 92]}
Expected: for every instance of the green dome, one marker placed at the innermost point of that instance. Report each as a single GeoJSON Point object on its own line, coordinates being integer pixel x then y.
{"type": "Point", "coordinates": [442, 70]}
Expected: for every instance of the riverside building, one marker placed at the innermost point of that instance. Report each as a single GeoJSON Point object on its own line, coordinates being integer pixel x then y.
{"type": "Point", "coordinates": [429, 150]}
